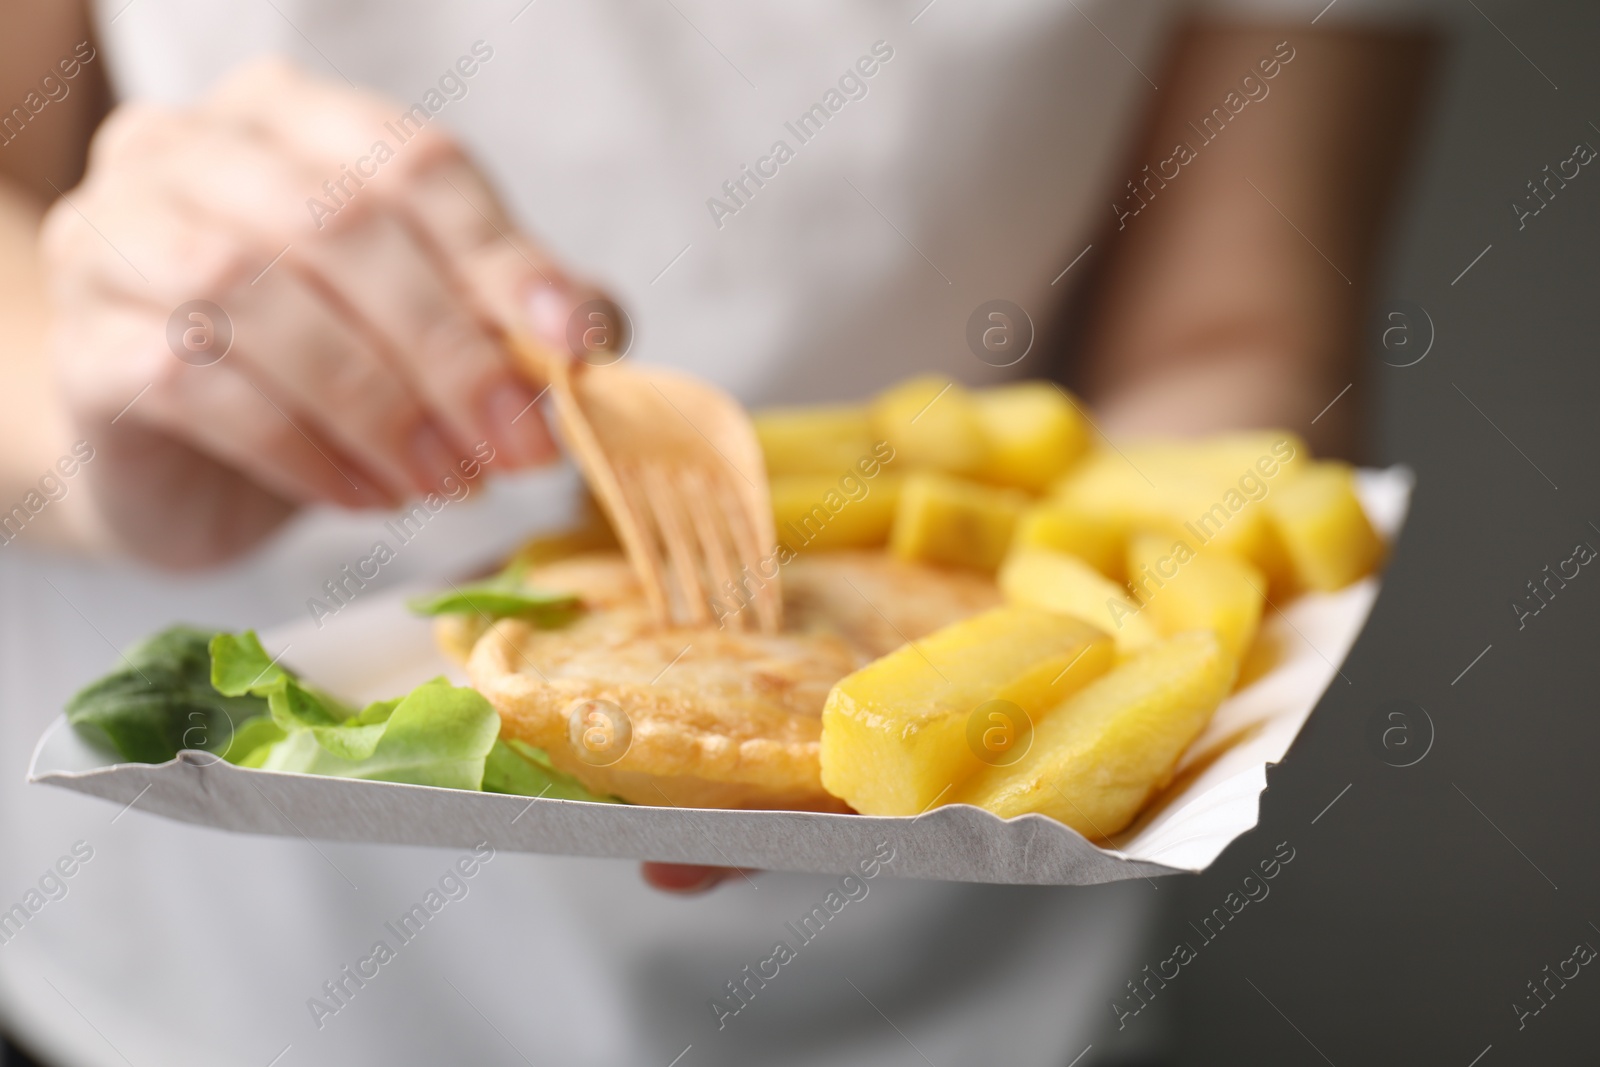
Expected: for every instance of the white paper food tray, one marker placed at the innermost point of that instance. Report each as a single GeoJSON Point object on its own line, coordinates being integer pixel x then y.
{"type": "Point", "coordinates": [377, 649]}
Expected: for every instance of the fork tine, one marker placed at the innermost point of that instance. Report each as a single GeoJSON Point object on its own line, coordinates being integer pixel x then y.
{"type": "Point", "coordinates": [682, 535]}
{"type": "Point", "coordinates": [599, 469]}
{"type": "Point", "coordinates": [664, 503]}
{"type": "Point", "coordinates": [641, 540]}
{"type": "Point", "coordinates": [768, 602]}
{"type": "Point", "coordinates": [721, 555]}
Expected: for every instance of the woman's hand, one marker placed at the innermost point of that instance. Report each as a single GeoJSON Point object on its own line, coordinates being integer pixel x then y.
{"type": "Point", "coordinates": [365, 283]}
{"type": "Point", "coordinates": [686, 879]}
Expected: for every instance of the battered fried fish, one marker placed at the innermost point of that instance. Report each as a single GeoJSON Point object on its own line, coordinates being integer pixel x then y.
{"type": "Point", "coordinates": [704, 717]}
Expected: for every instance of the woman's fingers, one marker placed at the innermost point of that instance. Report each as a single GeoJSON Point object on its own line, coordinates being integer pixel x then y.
{"type": "Point", "coordinates": [364, 279]}
{"type": "Point", "coordinates": [360, 138]}
{"type": "Point", "coordinates": [356, 143]}
{"type": "Point", "coordinates": [223, 412]}
{"type": "Point", "coordinates": [438, 343]}
{"type": "Point", "coordinates": [387, 350]}
{"type": "Point", "coordinates": [460, 217]}
{"type": "Point", "coordinates": [292, 339]}
{"type": "Point", "coordinates": [285, 337]}
{"type": "Point", "coordinates": [363, 151]}
{"type": "Point", "coordinates": [510, 279]}
{"type": "Point", "coordinates": [403, 204]}
{"type": "Point", "coordinates": [685, 879]}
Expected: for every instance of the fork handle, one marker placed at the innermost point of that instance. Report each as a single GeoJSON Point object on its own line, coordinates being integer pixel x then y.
{"type": "Point", "coordinates": [551, 368]}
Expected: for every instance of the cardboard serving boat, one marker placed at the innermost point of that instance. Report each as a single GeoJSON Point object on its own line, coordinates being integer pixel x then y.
{"type": "Point", "coordinates": [377, 649]}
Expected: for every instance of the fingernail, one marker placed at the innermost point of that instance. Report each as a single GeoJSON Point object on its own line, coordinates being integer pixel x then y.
{"type": "Point", "coordinates": [514, 423]}
{"type": "Point", "coordinates": [432, 459]}
{"type": "Point", "coordinates": [548, 311]}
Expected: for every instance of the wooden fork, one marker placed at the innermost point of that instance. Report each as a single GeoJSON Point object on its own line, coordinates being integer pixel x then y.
{"type": "Point", "coordinates": [677, 467]}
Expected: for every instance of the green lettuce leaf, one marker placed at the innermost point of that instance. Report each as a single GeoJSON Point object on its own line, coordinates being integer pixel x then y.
{"type": "Point", "coordinates": [161, 700]}
{"type": "Point", "coordinates": [239, 664]}
{"type": "Point", "coordinates": [500, 597]}
{"type": "Point", "coordinates": [221, 692]}
{"type": "Point", "coordinates": [253, 740]}
{"type": "Point", "coordinates": [438, 734]}
{"type": "Point", "coordinates": [517, 767]}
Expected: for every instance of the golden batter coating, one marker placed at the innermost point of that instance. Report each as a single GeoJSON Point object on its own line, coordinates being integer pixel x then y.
{"type": "Point", "coordinates": [717, 718]}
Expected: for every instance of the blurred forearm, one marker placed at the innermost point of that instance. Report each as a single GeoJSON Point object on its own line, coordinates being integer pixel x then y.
{"type": "Point", "coordinates": [40, 153]}
{"type": "Point", "coordinates": [35, 432]}
{"type": "Point", "coordinates": [1237, 281]}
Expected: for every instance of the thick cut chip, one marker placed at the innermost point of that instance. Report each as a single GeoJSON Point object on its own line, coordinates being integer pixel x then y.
{"type": "Point", "coordinates": [1034, 434]}
{"type": "Point", "coordinates": [1067, 585]}
{"type": "Point", "coordinates": [932, 422]}
{"type": "Point", "coordinates": [1093, 539]}
{"type": "Point", "coordinates": [1224, 459]}
{"type": "Point", "coordinates": [1097, 759]}
{"type": "Point", "coordinates": [954, 522]}
{"type": "Point", "coordinates": [1211, 491]}
{"type": "Point", "coordinates": [706, 717]}
{"type": "Point", "coordinates": [820, 512]}
{"type": "Point", "coordinates": [1207, 590]}
{"type": "Point", "coordinates": [898, 734]}
{"type": "Point", "coordinates": [1323, 528]}
{"type": "Point", "coordinates": [825, 440]}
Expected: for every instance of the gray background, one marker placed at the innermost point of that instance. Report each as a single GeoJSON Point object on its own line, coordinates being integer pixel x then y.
{"type": "Point", "coordinates": [1408, 922]}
